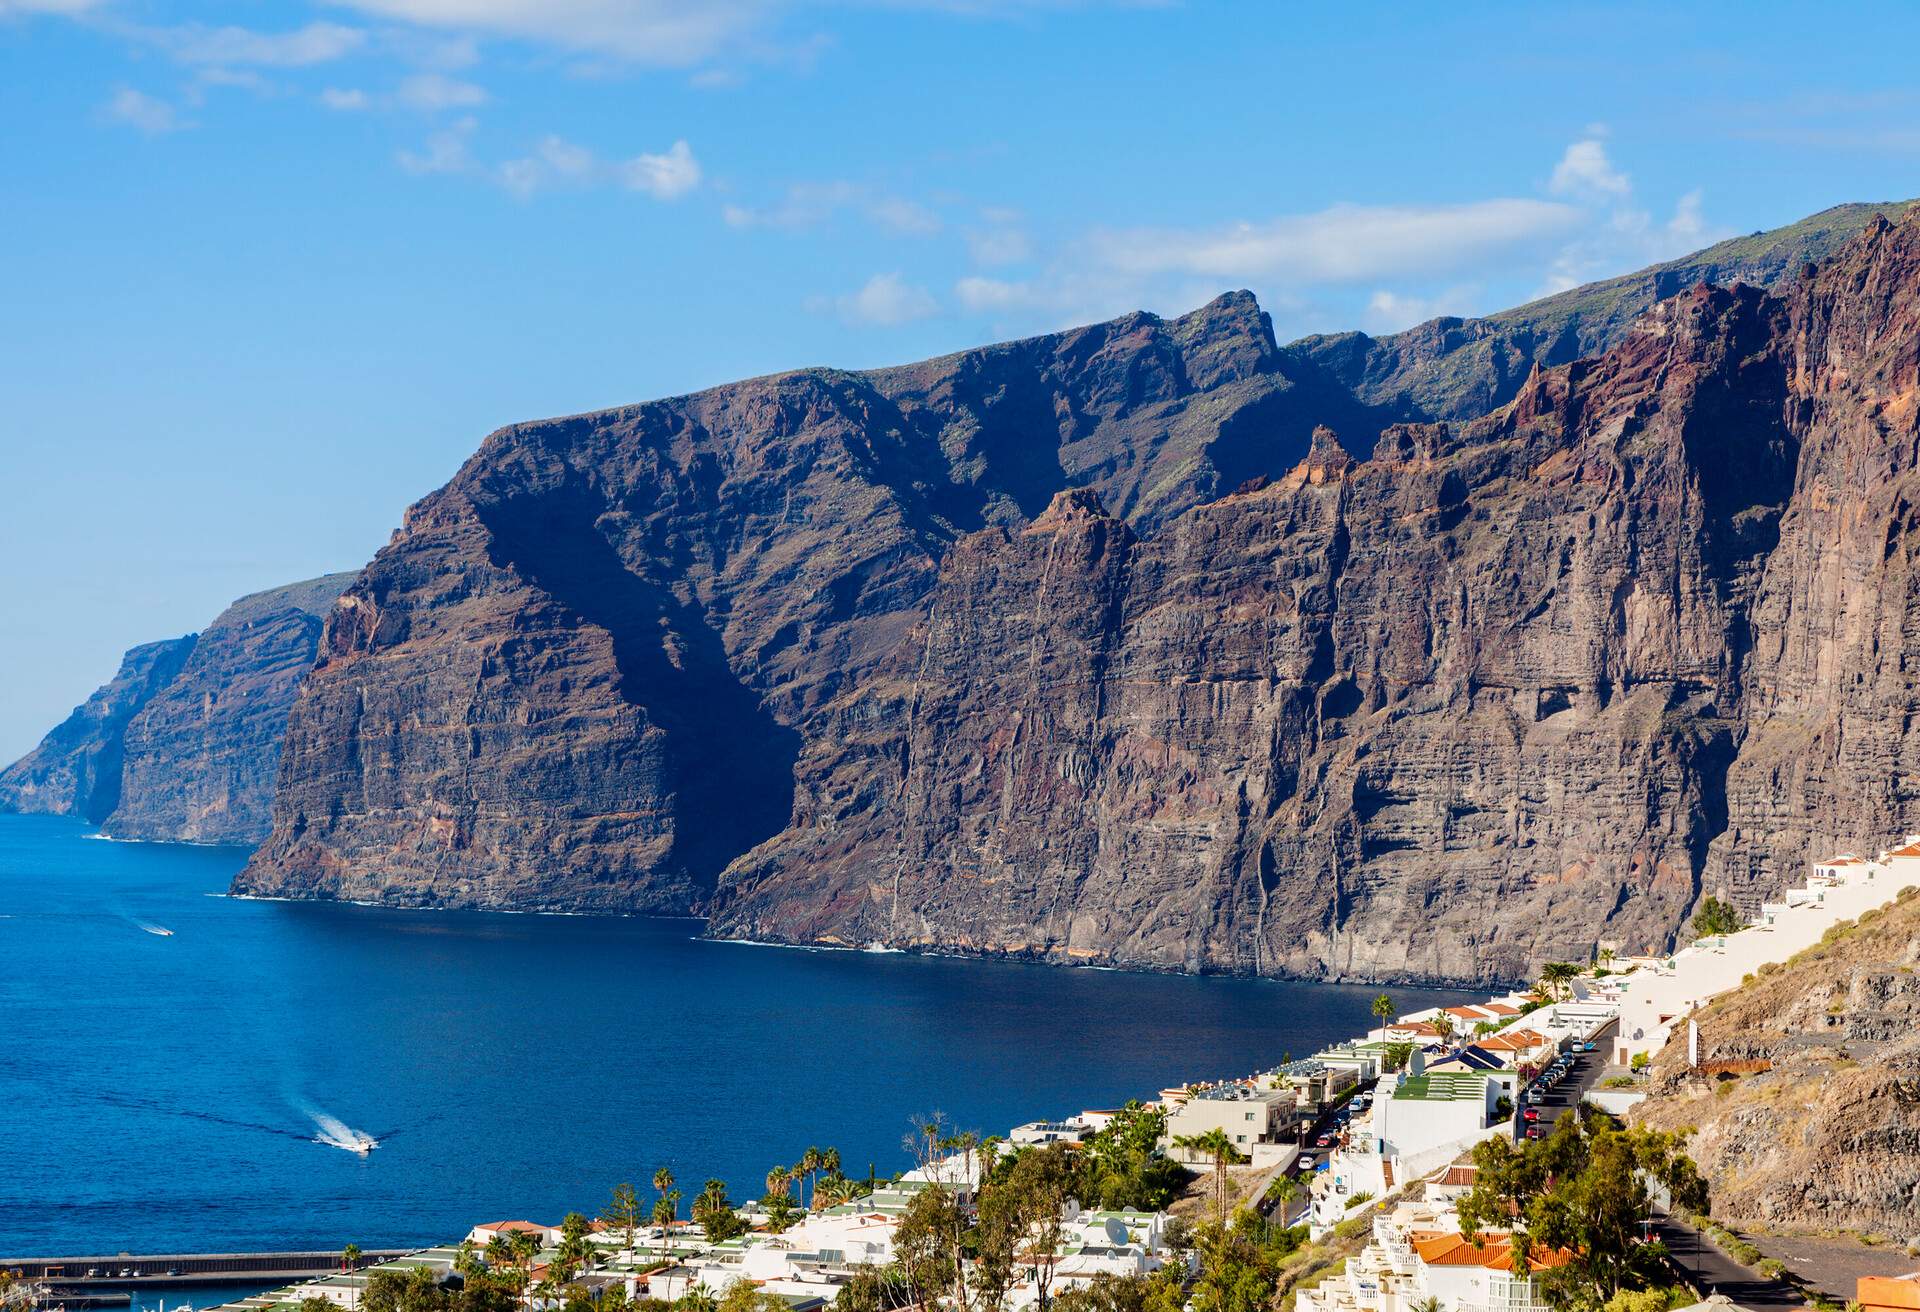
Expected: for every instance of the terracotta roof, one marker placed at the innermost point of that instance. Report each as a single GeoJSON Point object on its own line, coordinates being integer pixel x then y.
{"type": "Point", "coordinates": [1467, 1013]}
{"type": "Point", "coordinates": [1844, 859]}
{"type": "Point", "coordinates": [1911, 849]}
{"type": "Point", "coordinates": [516, 1225]}
{"type": "Point", "coordinates": [1459, 1175]}
{"type": "Point", "coordinates": [1500, 1009]}
{"type": "Point", "coordinates": [1449, 1248]}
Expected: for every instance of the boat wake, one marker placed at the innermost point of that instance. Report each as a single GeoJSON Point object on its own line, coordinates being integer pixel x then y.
{"type": "Point", "coordinates": [335, 1133]}
{"type": "Point", "coordinates": [160, 930]}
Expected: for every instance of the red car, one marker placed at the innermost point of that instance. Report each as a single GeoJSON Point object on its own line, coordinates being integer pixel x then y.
{"type": "Point", "coordinates": [1324, 1141]}
{"type": "Point", "coordinates": [1531, 1114]}
{"type": "Point", "coordinates": [1533, 1131]}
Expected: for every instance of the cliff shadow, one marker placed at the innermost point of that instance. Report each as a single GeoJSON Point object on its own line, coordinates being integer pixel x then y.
{"type": "Point", "coordinates": [731, 762]}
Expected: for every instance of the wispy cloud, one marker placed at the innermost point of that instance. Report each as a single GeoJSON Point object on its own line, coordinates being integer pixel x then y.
{"type": "Point", "coordinates": [1585, 171]}
{"type": "Point", "coordinates": [556, 162]}
{"type": "Point", "coordinates": [316, 43]}
{"type": "Point", "coordinates": [1344, 243]}
{"type": "Point", "coordinates": [885, 300]}
{"type": "Point", "coordinates": [142, 113]}
{"type": "Point", "coordinates": [670, 33]}
{"type": "Point", "coordinates": [807, 205]}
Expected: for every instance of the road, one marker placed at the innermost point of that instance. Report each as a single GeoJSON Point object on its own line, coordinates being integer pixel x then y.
{"type": "Point", "coordinates": [1587, 1069]}
{"type": "Point", "coordinates": [1716, 1273]}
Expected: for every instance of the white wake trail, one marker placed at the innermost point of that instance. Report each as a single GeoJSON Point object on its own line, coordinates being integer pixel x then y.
{"type": "Point", "coordinates": [336, 1133]}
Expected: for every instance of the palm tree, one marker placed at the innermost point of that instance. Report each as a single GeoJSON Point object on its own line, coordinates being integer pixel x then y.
{"type": "Point", "coordinates": [1554, 976]}
{"type": "Point", "coordinates": [1444, 1023]}
{"type": "Point", "coordinates": [499, 1251]}
{"type": "Point", "coordinates": [1383, 1010]}
{"type": "Point", "coordinates": [663, 1185]}
{"type": "Point", "coordinates": [466, 1260]}
{"type": "Point", "coordinates": [350, 1259]}
{"type": "Point", "coordinates": [524, 1248]}
{"type": "Point", "coordinates": [1215, 1144]}
{"type": "Point", "coordinates": [830, 1161]}
{"type": "Point", "coordinates": [779, 1180]}
{"type": "Point", "coordinates": [808, 1166]}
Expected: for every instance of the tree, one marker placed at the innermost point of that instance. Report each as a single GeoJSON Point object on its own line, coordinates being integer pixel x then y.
{"type": "Point", "coordinates": [1583, 1188]}
{"type": "Point", "coordinates": [622, 1212]}
{"type": "Point", "coordinates": [663, 1185]}
{"type": "Point", "coordinates": [1554, 977]}
{"type": "Point", "coordinates": [1383, 1012]}
{"type": "Point", "coordinates": [350, 1259]}
{"type": "Point", "coordinates": [923, 1247]}
{"type": "Point", "coordinates": [1445, 1024]}
{"type": "Point", "coordinates": [714, 1211]}
{"type": "Point", "coordinates": [805, 1169]}
{"type": "Point", "coordinates": [745, 1296]}
{"type": "Point", "coordinates": [874, 1289]}
{"type": "Point", "coordinates": [1214, 1145]}
{"type": "Point", "coordinates": [574, 1251]}
{"type": "Point", "coordinates": [1022, 1222]}
{"type": "Point", "coordinates": [779, 1180]}
{"type": "Point", "coordinates": [1716, 917]}
{"type": "Point", "coordinates": [1123, 1168]}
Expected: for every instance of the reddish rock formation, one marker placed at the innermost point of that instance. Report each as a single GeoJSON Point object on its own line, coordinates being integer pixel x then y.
{"type": "Point", "coordinates": [1488, 695]}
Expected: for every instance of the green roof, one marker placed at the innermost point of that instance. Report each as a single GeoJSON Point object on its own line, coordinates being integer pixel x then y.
{"type": "Point", "coordinates": [1444, 1086]}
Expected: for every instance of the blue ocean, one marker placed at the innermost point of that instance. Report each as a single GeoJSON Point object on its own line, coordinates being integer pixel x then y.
{"type": "Point", "coordinates": [173, 1062]}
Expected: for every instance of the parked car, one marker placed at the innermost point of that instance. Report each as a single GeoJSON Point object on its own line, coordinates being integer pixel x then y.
{"type": "Point", "coordinates": [1533, 1131]}
{"type": "Point", "coordinates": [1324, 1141]}
{"type": "Point", "coordinates": [93, 1273]}
{"type": "Point", "coordinates": [1306, 1162]}
{"type": "Point", "coordinates": [1531, 1114]}
{"type": "Point", "coordinates": [1591, 1047]}
{"type": "Point", "coordinates": [126, 1273]}
{"type": "Point", "coordinates": [173, 1270]}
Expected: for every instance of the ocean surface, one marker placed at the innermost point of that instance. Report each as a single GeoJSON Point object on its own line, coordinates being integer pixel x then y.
{"type": "Point", "coordinates": [173, 1092]}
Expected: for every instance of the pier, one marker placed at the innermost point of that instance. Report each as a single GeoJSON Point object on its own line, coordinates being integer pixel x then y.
{"type": "Point", "coordinates": [147, 1270]}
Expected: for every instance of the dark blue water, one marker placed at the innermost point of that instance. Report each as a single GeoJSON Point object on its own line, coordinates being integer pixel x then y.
{"type": "Point", "coordinates": [158, 1093]}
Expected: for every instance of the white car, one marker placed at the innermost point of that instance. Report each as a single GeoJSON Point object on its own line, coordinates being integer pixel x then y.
{"type": "Point", "coordinates": [1307, 1161]}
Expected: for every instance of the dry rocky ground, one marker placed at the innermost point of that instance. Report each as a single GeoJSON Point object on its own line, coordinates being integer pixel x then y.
{"type": "Point", "coordinates": [1806, 1105]}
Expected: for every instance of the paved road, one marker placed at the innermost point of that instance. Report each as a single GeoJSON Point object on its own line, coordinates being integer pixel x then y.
{"type": "Point", "coordinates": [1716, 1273]}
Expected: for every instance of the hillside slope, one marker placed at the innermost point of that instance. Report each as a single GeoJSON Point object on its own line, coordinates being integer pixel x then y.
{"type": "Point", "coordinates": [184, 743]}
{"type": "Point", "coordinates": [1825, 1135]}
{"type": "Point", "coordinates": [1459, 369]}
{"type": "Point", "coordinates": [203, 754]}
{"type": "Point", "coordinates": [831, 656]}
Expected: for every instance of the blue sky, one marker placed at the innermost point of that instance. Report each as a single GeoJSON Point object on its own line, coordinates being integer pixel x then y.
{"type": "Point", "coordinates": [272, 270]}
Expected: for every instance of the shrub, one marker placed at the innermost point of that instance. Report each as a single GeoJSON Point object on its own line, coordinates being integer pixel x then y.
{"type": "Point", "coordinates": [1364, 1196]}
{"type": "Point", "coordinates": [1617, 1082]}
{"type": "Point", "coordinates": [1772, 1268]}
{"type": "Point", "coordinates": [1640, 1062]}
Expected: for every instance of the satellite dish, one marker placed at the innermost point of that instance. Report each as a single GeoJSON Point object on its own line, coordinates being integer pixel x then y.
{"type": "Point", "coordinates": [1116, 1231]}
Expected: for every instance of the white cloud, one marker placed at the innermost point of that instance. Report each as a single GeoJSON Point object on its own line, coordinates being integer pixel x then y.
{"type": "Point", "coordinates": [904, 216]}
{"type": "Point", "coordinates": [345, 99]}
{"type": "Point", "coordinates": [663, 177]}
{"type": "Point", "coordinates": [812, 204]}
{"type": "Point", "coordinates": [672, 33]}
{"type": "Point", "coordinates": [316, 43]}
{"type": "Point", "coordinates": [557, 162]}
{"type": "Point", "coordinates": [1389, 312]}
{"type": "Point", "coordinates": [142, 112]}
{"type": "Point", "coordinates": [999, 245]}
{"type": "Point", "coordinates": [1345, 243]}
{"type": "Point", "coordinates": [448, 150]}
{"type": "Point", "coordinates": [433, 92]}
{"type": "Point", "coordinates": [885, 300]}
{"type": "Point", "coordinates": [1585, 171]}
{"type": "Point", "coordinates": [9, 8]}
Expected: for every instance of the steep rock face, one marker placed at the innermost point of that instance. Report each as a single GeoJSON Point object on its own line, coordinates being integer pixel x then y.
{"type": "Point", "coordinates": [1825, 1134]}
{"type": "Point", "coordinates": [1459, 369]}
{"type": "Point", "coordinates": [575, 677]}
{"type": "Point", "coordinates": [202, 755]}
{"type": "Point", "coordinates": [1830, 749]}
{"type": "Point", "coordinates": [976, 654]}
{"type": "Point", "coordinates": [76, 768]}
{"type": "Point", "coordinates": [1474, 685]}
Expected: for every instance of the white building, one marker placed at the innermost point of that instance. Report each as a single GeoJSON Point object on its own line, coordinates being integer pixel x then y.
{"type": "Point", "coordinates": [1417, 1252]}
